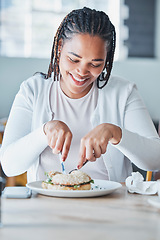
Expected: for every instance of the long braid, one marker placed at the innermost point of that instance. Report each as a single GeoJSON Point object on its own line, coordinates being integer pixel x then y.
{"type": "Point", "coordinates": [53, 67]}
{"type": "Point", "coordinates": [95, 23]}
{"type": "Point", "coordinates": [109, 60]}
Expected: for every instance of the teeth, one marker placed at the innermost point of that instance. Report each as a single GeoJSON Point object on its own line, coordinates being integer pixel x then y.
{"type": "Point", "coordinates": [79, 80]}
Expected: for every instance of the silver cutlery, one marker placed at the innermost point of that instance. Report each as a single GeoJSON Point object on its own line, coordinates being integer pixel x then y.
{"type": "Point", "coordinates": [62, 164]}
{"type": "Point", "coordinates": [77, 168]}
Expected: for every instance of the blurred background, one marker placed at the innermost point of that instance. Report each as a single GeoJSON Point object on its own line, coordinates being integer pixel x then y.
{"type": "Point", "coordinates": [27, 29]}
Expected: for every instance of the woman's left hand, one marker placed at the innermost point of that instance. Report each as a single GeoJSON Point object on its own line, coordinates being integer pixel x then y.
{"type": "Point", "coordinates": [95, 142]}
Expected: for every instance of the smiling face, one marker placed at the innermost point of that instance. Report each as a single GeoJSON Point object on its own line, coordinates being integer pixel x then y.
{"type": "Point", "coordinates": [82, 59]}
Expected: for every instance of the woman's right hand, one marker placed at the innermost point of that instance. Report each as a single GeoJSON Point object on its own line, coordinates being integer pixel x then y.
{"type": "Point", "coordinates": [59, 137]}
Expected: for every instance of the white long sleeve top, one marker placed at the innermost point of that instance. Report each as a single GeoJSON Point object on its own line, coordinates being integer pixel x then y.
{"type": "Point", "coordinates": [118, 103]}
{"type": "Point", "coordinates": [75, 113]}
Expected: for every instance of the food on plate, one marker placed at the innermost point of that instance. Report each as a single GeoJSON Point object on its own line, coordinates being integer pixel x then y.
{"type": "Point", "coordinates": [76, 180]}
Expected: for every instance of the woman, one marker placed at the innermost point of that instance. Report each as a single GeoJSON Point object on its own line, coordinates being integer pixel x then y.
{"type": "Point", "coordinates": [78, 109]}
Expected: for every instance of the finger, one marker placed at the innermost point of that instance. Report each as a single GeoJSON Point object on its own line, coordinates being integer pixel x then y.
{"type": "Point", "coordinates": [52, 139]}
{"type": "Point", "coordinates": [66, 146]}
{"type": "Point", "coordinates": [93, 159]}
{"type": "Point", "coordinates": [59, 143]}
{"type": "Point", "coordinates": [97, 151]}
{"type": "Point", "coordinates": [82, 155]}
{"type": "Point", "coordinates": [103, 149]}
{"type": "Point", "coordinates": [90, 153]}
{"type": "Point", "coordinates": [103, 145]}
{"type": "Point", "coordinates": [52, 142]}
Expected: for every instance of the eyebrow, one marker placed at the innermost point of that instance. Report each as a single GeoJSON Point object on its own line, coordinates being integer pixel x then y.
{"type": "Point", "coordinates": [96, 59]}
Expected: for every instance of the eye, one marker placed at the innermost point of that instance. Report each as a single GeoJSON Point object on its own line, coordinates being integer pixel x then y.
{"type": "Point", "coordinates": [95, 66]}
{"type": "Point", "coordinates": [72, 60]}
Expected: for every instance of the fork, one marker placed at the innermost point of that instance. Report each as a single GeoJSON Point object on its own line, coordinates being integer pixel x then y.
{"type": "Point", "coordinates": [77, 168]}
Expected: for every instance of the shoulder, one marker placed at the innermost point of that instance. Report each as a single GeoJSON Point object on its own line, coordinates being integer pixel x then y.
{"type": "Point", "coordinates": [118, 86]}
{"type": "Point", "coordinates": [36, 84]}
{"type": "Point", "coordinates": [119, 82]}
{"type": "Point", "coordinates": [37, 81]}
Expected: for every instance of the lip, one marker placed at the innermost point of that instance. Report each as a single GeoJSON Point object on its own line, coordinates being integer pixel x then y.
{"type": "Point", "coordinates": [79, 81]}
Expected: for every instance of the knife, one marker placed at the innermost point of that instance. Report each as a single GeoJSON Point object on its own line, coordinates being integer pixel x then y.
{"type": "Point", "coordinates": [62, 163]}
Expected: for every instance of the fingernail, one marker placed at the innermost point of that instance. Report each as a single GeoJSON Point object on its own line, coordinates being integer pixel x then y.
{"type": "Point", "coordinates": [63, 159]}
{"type": "Point", "coordinates": [79, 166]}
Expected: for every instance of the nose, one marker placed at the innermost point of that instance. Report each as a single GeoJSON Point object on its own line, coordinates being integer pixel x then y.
{"type": "Point", "coordinates": [82, 69]}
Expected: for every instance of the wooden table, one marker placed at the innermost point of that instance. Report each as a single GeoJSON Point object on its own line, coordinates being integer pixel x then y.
{"type": "Point", "coordinates": [117, 216]}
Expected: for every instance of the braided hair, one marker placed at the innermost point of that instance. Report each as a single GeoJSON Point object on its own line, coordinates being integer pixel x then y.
{"type": "Point", "coordinates": [86, 20]}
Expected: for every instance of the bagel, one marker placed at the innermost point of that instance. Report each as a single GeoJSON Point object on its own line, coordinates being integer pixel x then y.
{"type": "Point", "coordinates": [76, 180]}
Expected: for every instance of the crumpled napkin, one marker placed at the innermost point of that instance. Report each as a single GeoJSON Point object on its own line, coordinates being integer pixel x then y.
{"type": "Point", "coordinates": [136, 184]}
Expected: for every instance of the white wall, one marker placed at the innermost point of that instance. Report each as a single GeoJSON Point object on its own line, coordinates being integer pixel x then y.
{"type": "Point", "coordinates": [13, 71]}
{"type": "Point", "coordinates": [145, 73]}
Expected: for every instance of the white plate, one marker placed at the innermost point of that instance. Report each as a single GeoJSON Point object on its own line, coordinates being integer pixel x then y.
{"type": "Point", "coordinates": [99, 188]}
{"type": "Point", "coordinates": [155, 202]}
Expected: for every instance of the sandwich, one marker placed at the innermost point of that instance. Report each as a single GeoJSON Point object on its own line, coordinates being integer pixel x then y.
{"type": "Point", "coordinates": [76, 180]}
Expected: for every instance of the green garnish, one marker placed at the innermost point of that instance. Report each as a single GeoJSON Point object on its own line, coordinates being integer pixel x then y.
{"type": "Point", "coordinates": [46, 173]}
{"type": "Point", "coordinates": [49, 180]}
